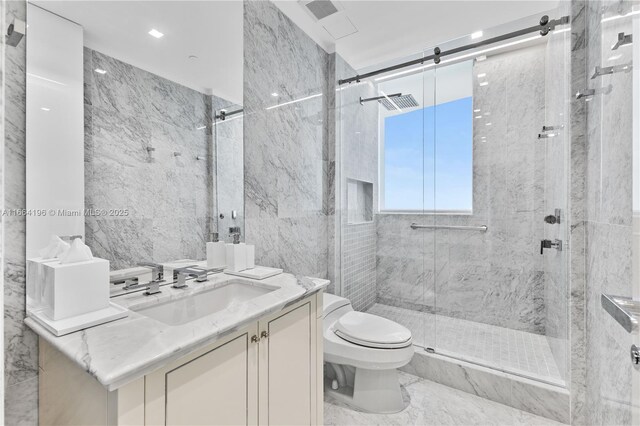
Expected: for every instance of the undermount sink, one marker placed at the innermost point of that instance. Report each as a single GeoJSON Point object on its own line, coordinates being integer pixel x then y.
{"type": "Point", "coordinates": [198, 305]}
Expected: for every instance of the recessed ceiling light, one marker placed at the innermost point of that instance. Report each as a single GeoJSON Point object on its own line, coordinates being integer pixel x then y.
{"type": "Point", "coordinates": [45, 109]}
{"type": "Point", "coordinates": [484, 83]}
{"type": "Point", "coordinates": [100, 71]}
{"type": "Point", "coordinates": [155, 33]}
{"type": "Point", "coordinates": [482, 75]}
{"type": "Point", "coordinates": [274, 94]}
{"type": "Point", "coordinates": [476, 35]}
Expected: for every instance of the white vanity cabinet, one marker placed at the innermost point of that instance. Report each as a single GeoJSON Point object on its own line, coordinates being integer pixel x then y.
{"type": "Point", "coordinates": [268, 373]}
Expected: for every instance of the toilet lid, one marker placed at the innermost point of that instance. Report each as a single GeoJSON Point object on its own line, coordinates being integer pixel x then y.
{"type": "Point", "coordinates": [372, 331]}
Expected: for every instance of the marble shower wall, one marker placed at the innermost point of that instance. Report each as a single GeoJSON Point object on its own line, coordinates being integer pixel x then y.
{"type": "Point", "coordinates": [609, 229]}
{"type": "Point", "coordinates": [286, 143]}
{"type": "Point", "coordinates": [169, 197]}
{"type": "Point", "coordinates": [576, 214]}
{"type": "Point", "coordinates": [357, 130]}
{"type": "Point", "coordinates": [20, 343]}
{"type": "Point", "coordinates": [494, 277]}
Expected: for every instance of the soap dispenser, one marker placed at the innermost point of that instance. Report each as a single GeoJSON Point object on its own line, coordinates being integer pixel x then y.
{"type": "Point", "coordinates": [236, 254]}
{"type": "Point", "coordinates": [216, 252]}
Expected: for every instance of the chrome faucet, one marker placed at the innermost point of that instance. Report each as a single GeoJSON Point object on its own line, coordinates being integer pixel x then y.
{"type": "Point", "coordinates": [153, 286]}
{"type": "Point", "coordinates": [200, 275]}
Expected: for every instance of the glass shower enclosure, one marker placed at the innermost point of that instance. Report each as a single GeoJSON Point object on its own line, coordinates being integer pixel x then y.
{"type": "Point", "coordinates": [453, 198]}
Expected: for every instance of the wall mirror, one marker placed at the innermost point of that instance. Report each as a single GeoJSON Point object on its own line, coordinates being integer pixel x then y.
{"type": "Point", "coordinates": [134, 128]}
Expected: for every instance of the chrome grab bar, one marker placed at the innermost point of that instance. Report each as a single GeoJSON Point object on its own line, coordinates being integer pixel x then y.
{"type": "Point", "coordinates": [481, 228]}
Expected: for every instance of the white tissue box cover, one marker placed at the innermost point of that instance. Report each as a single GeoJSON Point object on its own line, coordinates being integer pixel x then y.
{"type": "Point", "coordinates": [75, 288]}
{"type": "Point", "coordinates": [35, 281]}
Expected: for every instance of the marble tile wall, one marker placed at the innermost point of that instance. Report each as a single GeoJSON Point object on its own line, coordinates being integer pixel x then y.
{"type": "Point", "coordinates": [608, 220]}
{"type": "Point", "coordinates": [286, 147]}
{"type": "Point", "coordinates": [494, 277]}
{"type": "Point", "coordinates": [169, 198]}
{"type": "Point", "coordinates": [357, 131]}
{"type": "Point", "coordinates": [2, 74]}
{"type": "Point", "coordinates": [20, 344]}
{"type": "Point", "coordinates": [576, 214]}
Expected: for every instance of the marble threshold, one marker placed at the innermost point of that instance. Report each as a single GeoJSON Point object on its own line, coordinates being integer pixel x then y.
{"type": "Point", "coordinates": [432, 404]}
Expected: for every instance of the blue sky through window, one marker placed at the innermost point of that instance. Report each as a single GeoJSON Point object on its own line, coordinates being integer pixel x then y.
{"type": "Point", "coordinates": [412, 179]}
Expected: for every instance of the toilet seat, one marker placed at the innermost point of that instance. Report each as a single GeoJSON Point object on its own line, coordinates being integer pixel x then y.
{"type": "Point", "coordinates": [371, 331]}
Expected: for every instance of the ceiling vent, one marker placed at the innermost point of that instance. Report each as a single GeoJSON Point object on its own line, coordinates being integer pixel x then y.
{"type": "Point", "coordinates": [320, 9]}
{"type": "Point", "coordinates": [331, 15]}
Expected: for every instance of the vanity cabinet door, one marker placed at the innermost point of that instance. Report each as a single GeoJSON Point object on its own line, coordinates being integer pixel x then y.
{"type": "Point", "coordinates": [287, 367]}
{"type": "Point", "coordinates": [213, 386]}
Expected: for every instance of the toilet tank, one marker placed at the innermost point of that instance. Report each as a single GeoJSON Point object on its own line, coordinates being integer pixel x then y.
{"type": "Point", "coordinates": [333, 307]}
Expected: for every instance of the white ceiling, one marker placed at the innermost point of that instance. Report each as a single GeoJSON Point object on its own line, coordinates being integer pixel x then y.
{"type": "Point", "coordinates": [393, 29]}
{"type": "Point", "coordinates": [210, 30]}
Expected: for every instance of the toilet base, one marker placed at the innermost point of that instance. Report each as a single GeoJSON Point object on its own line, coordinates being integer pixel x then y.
{"type": "Point", "coordinates": [373, 391]}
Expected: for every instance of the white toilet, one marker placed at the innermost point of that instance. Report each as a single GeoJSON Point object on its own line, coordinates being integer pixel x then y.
{"type": "Point", "coordinates": [361, 355]}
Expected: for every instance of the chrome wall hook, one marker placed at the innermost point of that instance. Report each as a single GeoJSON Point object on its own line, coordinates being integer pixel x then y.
{"type": "Point", "coordinates": [588, 94]}
{"type": "Point", "coordinates": [600, 71]}
{"type": "Point", "coordinates": [623, 40]}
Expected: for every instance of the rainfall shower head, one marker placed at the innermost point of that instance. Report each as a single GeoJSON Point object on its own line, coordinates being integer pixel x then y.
{"type": "Point", "coordinates": [396, 101]}
{"type": "Point", "coordinates": [402, 102]}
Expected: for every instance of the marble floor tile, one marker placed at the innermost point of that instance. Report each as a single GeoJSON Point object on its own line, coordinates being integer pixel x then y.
{"type": "Point", "coordinates": [504, 349]}
{"type": "Point", "coordinates": [433, 404]}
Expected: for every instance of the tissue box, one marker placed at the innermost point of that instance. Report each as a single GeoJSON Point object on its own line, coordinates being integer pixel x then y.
{"type": "Point", "coordinates": [75, 288]}
{"type": "Point", "coordinates": [35, 281]}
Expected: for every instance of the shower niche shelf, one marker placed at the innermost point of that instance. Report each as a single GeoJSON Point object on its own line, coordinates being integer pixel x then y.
{"type": "Point", "coordinates": [359, 202]}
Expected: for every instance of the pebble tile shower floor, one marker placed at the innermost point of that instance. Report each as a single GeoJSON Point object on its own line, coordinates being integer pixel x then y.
{"type": "Point", "coordinates": [504, 349]}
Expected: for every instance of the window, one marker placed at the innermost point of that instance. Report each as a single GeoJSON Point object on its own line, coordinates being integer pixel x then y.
{"type": "Point", "coordinates": [427, 152]}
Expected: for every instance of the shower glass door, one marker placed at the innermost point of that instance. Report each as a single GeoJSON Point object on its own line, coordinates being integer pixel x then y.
{"type": "Point", "coordinates": [404, 253]}
{"type": "Point", "coordinates": [499, 189]}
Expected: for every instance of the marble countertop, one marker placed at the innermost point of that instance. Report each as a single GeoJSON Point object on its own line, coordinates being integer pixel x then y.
{"type": "Point", "coordinates": [121, 351]}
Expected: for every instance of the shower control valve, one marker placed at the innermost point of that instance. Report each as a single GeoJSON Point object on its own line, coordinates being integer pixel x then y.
{"type": "Point", "coordinates": [547, 244]}
{"type": "Point", "coordinates": [553, 218]}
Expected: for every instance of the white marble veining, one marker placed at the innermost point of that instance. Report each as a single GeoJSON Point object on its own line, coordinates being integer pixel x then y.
{"type": "Point", "coordinates": [169, 198]}
{"type": "Point", "coordinates": [285, 142]}
{"type": "Point", "coordinates": [121, 351]}
{"type": "Point", "coordinates": [576, 215]}
{"type": "Point", "coordinates": [20, 343]}
{"type": "Point", "coordinates": [608, 215]}
{"type": "Point", "coordinates": [430, 403]}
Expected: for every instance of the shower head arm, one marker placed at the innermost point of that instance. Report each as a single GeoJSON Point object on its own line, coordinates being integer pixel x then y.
{"type": "Point", "coordinates": [377, 98]}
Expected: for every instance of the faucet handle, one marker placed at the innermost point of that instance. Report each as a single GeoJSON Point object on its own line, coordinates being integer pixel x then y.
{"type": "Point", "coordinates": [156, 270]}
